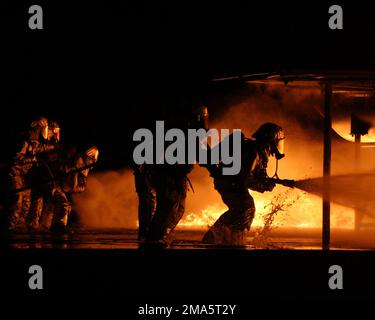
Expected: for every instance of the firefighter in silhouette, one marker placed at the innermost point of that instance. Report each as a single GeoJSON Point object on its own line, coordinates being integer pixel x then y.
{"type": "Point", "coordinates": [51, 200]}
{"type": "Point", "coordinates": [230, 228]}
{"type": "Point", "coordinates": [75, 171]}
{"type": "Point", "coordinates": [70, 172]}
{"type": "Point", "coordinates": [162, 188]}
{"type": "Point", "coordinates": [33, 144]}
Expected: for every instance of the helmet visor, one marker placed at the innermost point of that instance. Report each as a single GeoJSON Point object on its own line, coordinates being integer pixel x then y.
{"type": "Point", "coordinates": [281, 146]}
{"type": "Point", "coordinates": [91, 155]}
{"type": "Point", "coordinates": [203, 118]}
{"type": "Point", "coordinates": [278, 148]}
{"type": "Point", "coordinates": [44, 132]}
{"type": "Point", "coordinates": [56, 133]}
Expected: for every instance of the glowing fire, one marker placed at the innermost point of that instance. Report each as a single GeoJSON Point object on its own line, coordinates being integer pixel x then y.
{"type": "Point", "coordinates": [203, 219]}
{"type": "Point", "coordinates": [301, 210]}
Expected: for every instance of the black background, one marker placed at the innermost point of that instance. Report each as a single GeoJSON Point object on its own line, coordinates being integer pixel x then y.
{"type": "Point", "coordinates": [104, 68]}
{"type": "Point", "coordinates": [260, 282]}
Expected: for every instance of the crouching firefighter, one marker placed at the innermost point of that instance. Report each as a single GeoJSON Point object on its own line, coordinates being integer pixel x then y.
{"type": "Point", "coordinates": [18, 203]}
{"type": "Point", "coordinates": [68, 172]}
{"type": "Point", "coordinates": [72, 178]}
{"type": "Point", "coordinates": [230, 228]}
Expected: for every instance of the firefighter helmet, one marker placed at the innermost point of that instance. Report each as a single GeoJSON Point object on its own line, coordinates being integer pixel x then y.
{"type": "Point", "coordinates": [272, 135]}
{"type": "Point", "coordinates": [53, 131]}
{"type": "Point", "coordinates": [40, 127]}
{"type": "Point", "coordinates": [91, 155]}
{"type": "Point", "coordinates": [198, 114]}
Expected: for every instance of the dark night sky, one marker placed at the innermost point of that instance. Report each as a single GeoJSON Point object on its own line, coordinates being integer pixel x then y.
{"type": "Point", "coordinates": [104, 68]}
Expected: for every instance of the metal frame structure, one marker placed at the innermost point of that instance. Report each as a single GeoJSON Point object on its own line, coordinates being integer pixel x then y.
{"type": "Point", "coordinates": [328, 80]}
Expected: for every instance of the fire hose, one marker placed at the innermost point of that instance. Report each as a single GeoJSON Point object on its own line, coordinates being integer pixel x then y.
{"type": "Point", "coordinates": [52, 179]}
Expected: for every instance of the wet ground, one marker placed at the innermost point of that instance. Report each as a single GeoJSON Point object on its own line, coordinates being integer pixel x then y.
{"type": "Point", "coordinates": [108, 264]}
{"type": "Point", "coordinates": [297, 239]}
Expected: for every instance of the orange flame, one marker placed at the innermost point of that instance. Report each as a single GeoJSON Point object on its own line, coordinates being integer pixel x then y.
{"type": "Point", "coordinates": [302, 210]}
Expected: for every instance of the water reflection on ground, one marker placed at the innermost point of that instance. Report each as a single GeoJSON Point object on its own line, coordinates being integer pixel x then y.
{"type": "Point", "coordinates": [184, 239]}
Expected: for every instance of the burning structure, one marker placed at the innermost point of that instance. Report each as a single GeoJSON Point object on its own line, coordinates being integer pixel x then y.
{"type": "Point", "coordinates": [328, 118]}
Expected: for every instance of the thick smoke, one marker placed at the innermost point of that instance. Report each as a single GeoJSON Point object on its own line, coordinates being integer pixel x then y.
{"type": "Point", "coordinates": [110, 200]}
